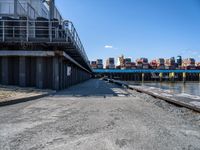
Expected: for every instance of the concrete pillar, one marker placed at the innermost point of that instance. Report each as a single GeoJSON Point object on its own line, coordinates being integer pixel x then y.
{"type": "Point", "coordinates": [143, 75]}
{"type": "Point", "coordinates": [22, 71]}
{"type": "Point", "coordinates": [199, 77]}
{"type": "Point", "coordinates": [73, 75]}
{"type": "Point", "coordinates": [55, 79]}
{"type": "Point", "coordinates": [61, 74]}
{"type": "Point", "coordinates": [39, 72]}
{"type": "Point", "coordinates": [161, 76]}
{"type": "Point", "coordinates": [69, 77]}
{"type": "Point", "coordinates": [64, 70]}
{"type": "Point", "coordinates": [76, 74]}
{"type": "Point", "coordinates": [172, 75]}
{"type": "Point", "coordinates": [184, 77]}
{"type": "Point", "coordinates": [0, 70]}
{"type": "Point", "coordinates": [4, 73]}
{"type": "Point", "coordinates": [66, 77]}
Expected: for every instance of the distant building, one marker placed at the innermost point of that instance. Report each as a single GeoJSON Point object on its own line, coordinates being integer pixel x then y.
{"type": "Point", "coordinates": [188, 63]}
{"type": "Point", "coordinates": [170, 63]}
{"type": "Point", "coordinates": [153, 64]}
{"type": "Point", "coordinates": [198, 65]}
{"type": "Point", "coordinates": [99, 63]}
{"type": "Point", "coordinates": [120, 62]}
{"type": "Point", "coordinates": [142, 63]}
{"type": "Point", "coordinates": [93, 64]}
{"type": "Point", "coordinates": [161, 63]}
{"type": "Point", "coordinates": [179, 61]}
{"type": "Point", "coordinates": [110, 63]}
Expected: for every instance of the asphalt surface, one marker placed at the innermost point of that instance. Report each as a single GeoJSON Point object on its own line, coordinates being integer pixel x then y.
{"type": "Point", "coordinates": [97, 115]}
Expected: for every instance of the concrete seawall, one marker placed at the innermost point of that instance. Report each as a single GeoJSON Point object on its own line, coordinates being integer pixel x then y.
{"type": "Point", "coordinates": [192, 102]}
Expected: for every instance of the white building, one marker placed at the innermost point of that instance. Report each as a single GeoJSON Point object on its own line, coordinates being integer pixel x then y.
{"type": "Point", "coordinates": [30, 8]}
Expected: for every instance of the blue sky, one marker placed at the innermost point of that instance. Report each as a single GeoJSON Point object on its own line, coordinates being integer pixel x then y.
{"type": "Point", "coordinates": [136, 28]}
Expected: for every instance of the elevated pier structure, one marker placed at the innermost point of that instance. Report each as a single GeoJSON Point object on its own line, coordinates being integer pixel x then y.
{"type": "Point", "coordinates": [149, 75]}
{"type": "Point", "coordinates": [41, 52]}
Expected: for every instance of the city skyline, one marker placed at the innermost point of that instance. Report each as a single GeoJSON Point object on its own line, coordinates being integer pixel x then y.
{"type": "Point", "coordinates": [116, 60]}
{"type": "Point", "coordinates": [134, 60]}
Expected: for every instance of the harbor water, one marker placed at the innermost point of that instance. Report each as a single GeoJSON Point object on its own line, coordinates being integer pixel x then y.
{"type": "Point", "coordinates": [192, 88]}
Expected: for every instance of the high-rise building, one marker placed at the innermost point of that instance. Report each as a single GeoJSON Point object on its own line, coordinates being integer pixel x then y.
{"type": "Point", "coordinates": [179, 61]}
{"type": "Point", "coordinates": [93, 64]}
{"type": "Point", "coordinates": [110, 63]}
{"type": "Point", "coordinates": [142, 63]}
{"type": "Point", "coordinates": [188, 63]}
{"type": "Point", "coordinates": [99, 63]}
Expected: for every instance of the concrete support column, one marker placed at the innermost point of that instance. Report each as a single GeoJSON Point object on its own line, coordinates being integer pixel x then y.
{"type": "Point", "coordinates": [161, 76]}
{"type": "Point", "coordinates": [172, 75]}
{"type": "Point", "coordinates": [184, 77]}
{"type": "Point", "coordinates": [77, 75]}
{"type": "Point", "coordinates": [55, 73]}
{"type": "Point", "coordinates": [74, 74]}
{"type": "Point", "coordinates": [39, 72]}
{"type": "Point", "coordinates": [65, 75]}
{"type": "Point", "coordinates": [4, 73]}
{"type": "Point", "coordinates": [143, 75]}
{"type": "Point", "coordinates": [22, 71]}
{"type": "Point", "coordinates": [69, 77]}
{"type": "Point", "coordinates": [61, 74]}
{"type": "Point", "coordinates": [199, 77]}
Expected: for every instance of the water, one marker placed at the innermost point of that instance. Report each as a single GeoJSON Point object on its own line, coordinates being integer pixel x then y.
{"type": "Point", "coordinates": [192, 88]}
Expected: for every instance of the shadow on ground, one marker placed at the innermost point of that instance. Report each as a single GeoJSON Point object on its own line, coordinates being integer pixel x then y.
{"type": "Point", "coordinates": [93, 87]}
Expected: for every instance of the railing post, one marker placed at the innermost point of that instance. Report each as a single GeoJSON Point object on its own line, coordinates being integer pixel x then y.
{"type": "Point", "coordinates": [13, 34]}
{"type": "Point", "coordinates": [3, 30]}
{"type": "Point", "coordinates": [66, 35]}
{"type": "Point", "coordinates": [66, 25]}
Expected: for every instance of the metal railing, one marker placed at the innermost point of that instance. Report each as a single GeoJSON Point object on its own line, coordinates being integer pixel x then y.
{"type": "Point", "coordinates": [68, 25]}
{"type": "Point", "coordinates": [41, 31]}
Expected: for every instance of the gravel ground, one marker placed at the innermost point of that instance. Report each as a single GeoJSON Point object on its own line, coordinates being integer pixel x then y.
{"type": "Point", "coordinates": [182, 112]}
{"type": "Point", "coordinates": [111, 119]}
{"type": "Point", "coordinates": [8, 93]}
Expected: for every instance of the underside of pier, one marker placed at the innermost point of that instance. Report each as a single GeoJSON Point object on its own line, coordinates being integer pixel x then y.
{"type": "Point", "coordinates": [40, 69]}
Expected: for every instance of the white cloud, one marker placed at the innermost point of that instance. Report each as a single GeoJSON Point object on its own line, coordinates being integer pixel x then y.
{"type": "Point", "coordinates": [108, 46]}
